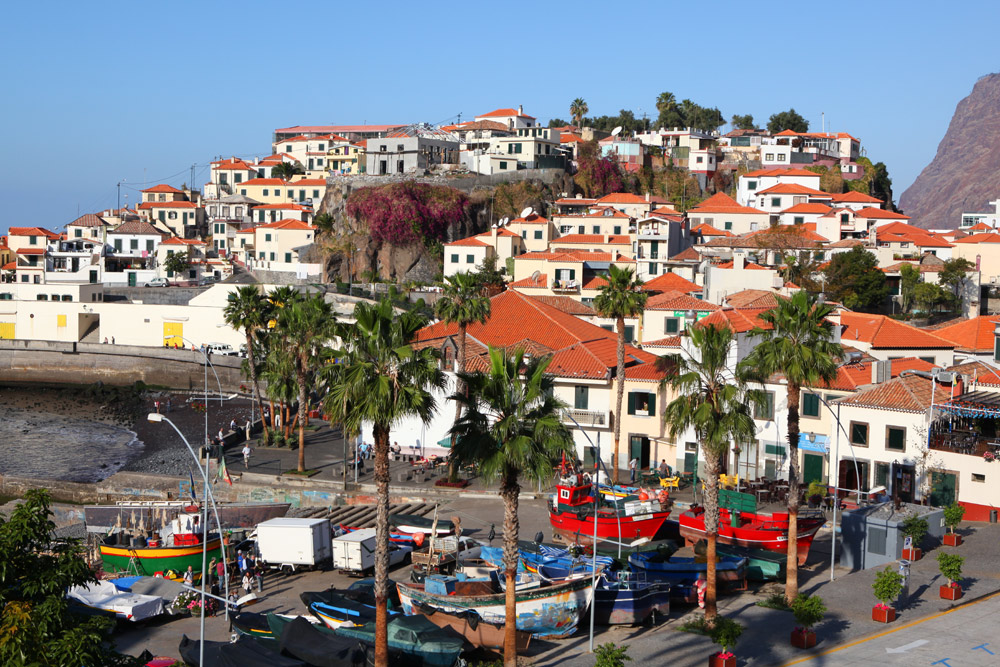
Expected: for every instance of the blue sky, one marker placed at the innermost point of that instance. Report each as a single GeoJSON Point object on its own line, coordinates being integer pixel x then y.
{"type": "Point", "coordinates": [94, 93]}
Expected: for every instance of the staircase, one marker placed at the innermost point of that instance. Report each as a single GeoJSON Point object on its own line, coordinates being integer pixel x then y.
{"type": "Point", "coordinates": [93, 334]}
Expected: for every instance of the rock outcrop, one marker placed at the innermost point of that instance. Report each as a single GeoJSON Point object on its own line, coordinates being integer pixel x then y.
{"type": "Point", "coordinates": [965, 173]}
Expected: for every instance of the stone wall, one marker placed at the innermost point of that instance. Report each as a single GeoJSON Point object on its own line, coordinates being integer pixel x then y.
{"type": "Point", "coordinates": [86, 363]}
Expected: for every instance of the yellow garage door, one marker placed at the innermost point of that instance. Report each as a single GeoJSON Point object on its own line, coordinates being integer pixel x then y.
{"type": "Point", "coordinates": [172, 332]}
{"type": "Point", "coordinates": [6, 330]}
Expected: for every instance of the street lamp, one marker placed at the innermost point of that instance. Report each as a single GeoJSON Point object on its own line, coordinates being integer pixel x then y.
{"type": "Point", "coordinates": [156, 417]}
{"type": "Point", "coordinates": [208, 363]}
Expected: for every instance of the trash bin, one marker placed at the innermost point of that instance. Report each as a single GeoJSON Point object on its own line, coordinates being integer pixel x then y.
{"type": "Point", "coordinates": [993, 516]}
{"type": "Point", "coordinates": [904, 593]}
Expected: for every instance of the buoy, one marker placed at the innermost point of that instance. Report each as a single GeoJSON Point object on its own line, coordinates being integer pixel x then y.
{"type": "Point", "coordinates": [418, 539]}
{"type": "Point", "coordinates": [643, 496]}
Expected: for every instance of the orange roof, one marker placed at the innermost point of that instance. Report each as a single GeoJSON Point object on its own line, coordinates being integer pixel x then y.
{"type": "Point", "coordinates": [808, 208]}
{"type": "Point", "coordinates": [670, 282]}
{"type": "Point", "coordinates": [794, 189]}
{"type": "Point", "coordinates": [175, 240]}
{"type": "Point", "coordinates": [89, 220]}
{"type": "Point", "coordinates": [706, 229]}
{"type": "Point", "coordinates": [851, 377]}
{"type": "Point", "coordinates": [531, 282]}
{"type": "Point", "coordinates": [780, 171]}
{"type": "Point", "coordinates": [598, 212]}
{"type": "Point", "coordinates": [533, 219]}
{"type": "Point", "coordinates": [280, 182]}
{"type": "Point", "coordinates": [669, 341]}
{"type": "Point", "coordinates": [739, 320]}
{"type": "Point", "coordinates": [500, 232]}
{"type": "Point", "coordinates": [503, 113]}
{"type": "Point", "coordinates": [594, 282]}
{"type": "Point", "coordinates": [309, 181]}
{"type": "Point", "coordinates": [910, 393]}
{"type": "Point", "coordinates": [720, 202]}
{"type": "Point", "coordinates": [664, 210]}
{"type": "Point", "coordinates": [989, 237]}
{"type": "Point", "coordinates": [753, 298]}
{"type": "Point", "coordinates": [32, 231]}
{"type": "Point", "coordinates": [749, 265]}
{"type": "Point", "coordinates": [591, 239]}
{"type": "Point", "coordinates": [232, 165]}
{"type": "Point", "coordinates": [622, 198]}
{"type": "Point", "coordinates": [146, 205]}
{"type": "Point", "coordinates": [570, 138]}
{"type": "Point", "coordinates": [979, 227]}
{"type": "Point", "coordinates": [972, 335]}
{"type": "Point", "coordinates": [163, 188]}
{"type": "Point", "coordinates": [10, 266]}
{"type": "Point", "coordinates": [883, 332]}
{"type": "Point", "coordinates": [686, 255]}
{"type": "Point", "coordinates": [292, 224]}
{"type": "Point", "coordinates": [30, 251]}
{"type": "Point", "coordinates": [675, 300]}
{"type": "Point", "coordinates": [880, 214]}
{"type": "Point", "coordinates": [647, 372]}
{"type": "Point", "coordinates": [469, 241]}
{"type": "Point", "coordinates": [853, 197]}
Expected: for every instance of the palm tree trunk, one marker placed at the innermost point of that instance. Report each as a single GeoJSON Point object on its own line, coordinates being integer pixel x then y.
{"type": "Point", "coordinates": [270, 414]}
{"type": "Point", "coordinates": [286, 408]}
{"type": "Point", "coordinates": [251, 362]}
{"type": "Point", "coordinates": [509, 491]}
{"type": "Point", "coordinates": [620, 376]}
{"type": "Point", "coordinates": [711, 532]}
{"type": "Point", "coordinates": [792, 567]}
{"type": "Point", "coordinates": [381, 434]}
{"type": "Point", "coordinates": [302, 424]}
{"type": "Point", "coordinates": [459, 389]}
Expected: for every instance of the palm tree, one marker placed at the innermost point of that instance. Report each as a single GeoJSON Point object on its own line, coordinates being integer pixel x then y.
{"type": "Point", "coordinates": [621, 297]}
{"type": "Point", "coordinates": [462, 303]}
{"type": "Point", "coordinates": [800, 346]}
{"type": "Point", "coordinates": [306, 325]}
{"type": "Point", "coordinates": [511, 428]}
{"type": "Point", "coordinates": [285, 170]}
{"type": "Point", "coordinates": [714, 403]}
{"type": "Point", "coordinates": [665, 102]}
{"type": "Point", "coordinates": [381, 379]}
{"type": "Point", "coordinates": [249, 311]}
{"type": "Point", "coordinates": [279, 374]}
{"type": "Point", "coordinates": [577, 110]}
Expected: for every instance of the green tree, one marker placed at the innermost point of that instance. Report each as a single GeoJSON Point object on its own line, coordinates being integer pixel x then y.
{"type": "Point", "coordinates": [787, 120]}
{"type": "Point", "coordinates": [854, 279]}
{"type": "Point", "coordinates": [462, 302]}
{"type": "Point", "coordinates": [177, 262]}
{"type": "Point", "coordinates": [306, 324]}
{"type": "Point", "coordinates": [742, 122]}
{"type": "Point", "coordinates": [802, 270]}
{"type": "Point", "coordinates": [929, 297]}
{"type": "Point", "coordinates": [511, 428]}
{"type": "Point", "coordinates": [285, 170]}
{"type": "Point", "coordinates": [954, 276]}
{"type": "Point", "coordinates": [717, 406]}
{"type": "Point", "coordinates": [622, 296]}
{"type": "Point", "coordinates": [909, 276]}
{"type": "Point", "coordinates": [324, 223]}
{"type": "Point", "coordinates": [382, 380]}
{"type": "Point", "coordinates": [248, 310]}
{"type": "Point", "coordinates": [577, 110]}
{"type": "Point", "coordinates": [37, 626]}
{"type": "Point", "coordinates": [557, 122]}
{"type": "Point", "coordinates": [798, 343]}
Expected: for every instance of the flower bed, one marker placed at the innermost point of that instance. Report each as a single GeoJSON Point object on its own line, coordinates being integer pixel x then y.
{"type": "Point", "coordinates": [190, 602]}
{"type": "Point", "coordinates": [460, 484]}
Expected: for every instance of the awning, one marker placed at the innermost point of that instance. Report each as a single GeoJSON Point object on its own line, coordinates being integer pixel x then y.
{"type": "Point", "coordinates": [975, 404]}
{"type": "Point", "coordinates": [814, 442]}
{"type": "Point", "coordinates": [445, 442]}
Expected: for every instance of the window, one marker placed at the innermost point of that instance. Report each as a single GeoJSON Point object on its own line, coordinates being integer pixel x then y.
{"type": "Point", "coordinates": [595, 229]}
{"type": "Point", "coordinates": [118, 245]}
{"type": "Point", "coordinates": [652, 268]}
{"type": "Point", "coordinates": [32, 240]}
{"type": "Point", "coordinates": [267, 193]}
{"type": "Point", "coordinates": [699, 159]}
{"type": "Point", "coordinates": [629, 333]}
{"type": "Point", "coordinates": [768, 156]}
{"type": "Point", "coordinates": [272, 256]}
{"type": "Point", "coordinates": [267, 237]}
{"type": "Point", "coordinates": [288, 258]}
{"type": "Point", "coordinates": [641, 403]}
{"type": "Point", "coordinates": [881, 474]}
{"type": "Point", "coordinates": [810, 405]}
{"type": "Point", "coordinates": [315, 194]}
{"type": "Point", "coordinates": [776, 202]}
{"type": "Point", "coordinates": [580, 397]}
{"type": "Point", "coordinates": [503, 165]}
{"type": "Point", "coordinates": [845, 217]}
{"type": "Point", "coordinates": [538, 234]}
{"type": "Point", "coordinates": [149, 245]}
{"type": "Point", "coordinates": [133, 244]}
{"type": "Point", "coordinates": [454, 259]}
{"type": "Point", "coordinates": [77, 233]}
{"type": "Point", "coordinates": [728, 226]}
{"type": "Point", "coordinates": [243, 191]}
{"type": "Point", "coordinates": [751, 185]}
{"type": "Point", "coordinates": [288, 148]}
{"type": "Point", "coordinates": [978, 477]}
{"type": "Point", "coordinates": [859, 434]}
{"type": "Point", "coordinates": [798, 220]}
{"type": "Point", "coordinates": [765, 410]}
{"type": "Point", "coordinates": [470, 259]}
{"type": "Point", "coordinates": [617, 229]}
{"type": "Point", "coordinates": [399, 148]}
{"type": "Point", "coordinates": [42, 297]}
{"type": "Point", "coordinates": [781, 157]}
{"type": "Point", "coordinates": [895, 438]}
{"type": "Point", "coordinates": [524, 234]}
{"type": "Point", "coordinates": [672, 325]}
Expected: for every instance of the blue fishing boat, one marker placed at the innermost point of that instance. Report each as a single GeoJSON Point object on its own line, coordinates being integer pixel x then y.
{"type": "Point", "coordinates": [415, 636]}
{"type": "Point", "coordinates": [336, 609]}
{"type": "Point", "coordinates": [731, 571]}
{"type": "Point", "coordinates": [629, 600]}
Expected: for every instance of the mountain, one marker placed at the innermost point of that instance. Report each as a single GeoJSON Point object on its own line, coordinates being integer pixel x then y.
{"type": "Point", "coordinates": [965, 173]}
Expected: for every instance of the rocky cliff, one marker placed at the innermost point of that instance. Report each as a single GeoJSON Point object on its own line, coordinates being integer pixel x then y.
{"type": "Point", "coordinates": [965, 173]}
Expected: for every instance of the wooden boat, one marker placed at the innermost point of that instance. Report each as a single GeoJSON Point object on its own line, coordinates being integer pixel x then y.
{"type": "Point", "coordinates": [753, 530]}
{"type": "Point", "coordinates": [155, 514]}
{"type": "Point", "coordinates": [550, 611]}
{"type": "Point", "coordinates": [471, 626]}
{"type": "Point", "coordinates": [244, 651]}
{"type": "Point", "coordinates": [152, 560]}
{"type": "Point", "coordinates": [415, 636]}
{"type": "Point", "coordinates": [629, 600]}
{"type": "Point", "coordinates": [411, 523]}
{"type": "Point", "coordinates": [105, 597]}
{"type": "Point", "coordinates": [571, 514]}
{"type": "Point", "coordinates": [729, 571]}
{"type": "Point", "coordinates": [762, 565]}
{"type": "Point", "coordinates": [336, 610]}
{"type": "Point", "coordinates": [249, 624]}
{"type": "Point", "coordinates": [316, 645]}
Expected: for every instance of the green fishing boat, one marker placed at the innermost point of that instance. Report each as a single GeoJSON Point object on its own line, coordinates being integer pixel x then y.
{"type": "Point", "coordinates": [416, 636]}
{"type": "Point", "coordinates": [763, 565]}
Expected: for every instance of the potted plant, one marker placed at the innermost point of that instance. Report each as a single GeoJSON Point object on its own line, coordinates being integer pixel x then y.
{"type": "Point", "coordinates": [725, 632]}
{"type": "Point", "coordinates": [951, 568]}
{"type": "Point", "coordinates": [952, 517]}
{"type": "Point", "coordinates": [888, 585]}
{"type": "Point", "coordinates": [815, 494]}
{"type": "Point", "coordinates": [914, 527]}
{"type": "Point", "coordinates": [808, 611]}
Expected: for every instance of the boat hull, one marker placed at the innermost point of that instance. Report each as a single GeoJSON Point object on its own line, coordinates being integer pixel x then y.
{"type": "Point", "coordinates": [578, 528]}
{"type": "Point", "coordinates": [729, 571]}
{"type": "Point", "coordinates": [760, 531]}
{"type": "Point", "coordinates": [484, 635]}
{"type": "Point", "coordinates": [152, 560]}
{"type": "Point", "coordinates": [101, 518]}
{"type": "Point", "coordinates": [549, 612]}
{"type": "Point", "coordinates": [632, 606]}
{"type": "Point", "coordinates": [762, 565]}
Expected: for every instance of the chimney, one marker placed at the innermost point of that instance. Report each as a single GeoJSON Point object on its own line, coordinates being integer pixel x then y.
{"type": "Point", "coordinates": [647, 196]}
{"type": "Point", "coordinates": [520, 110]}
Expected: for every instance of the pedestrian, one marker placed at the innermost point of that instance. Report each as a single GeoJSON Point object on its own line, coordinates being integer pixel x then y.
{"type": "Point", "coordinates": [105, 341]}
{"type": "Point", "coordinates": [222, 434]}
{"type": "Point", "coordinates": [220, 570]}
{"type": "Point", "coordinates": [189, 576]}
{"type": "Point", "coordinates": [112, 340]}
{"type": "Point", "coordinates": [157, 405]}
{"type": "Point", "coordinates": [241, 562]}
{"type": "Point", "coordinates": [211, 571]}
{"type": "Point", "coordinates": [232, 424]}
{"type": "Point", "coordinates": [632, 466]}
{"type": "Point", "coordinates": [247, 429]}
{"type": "Point", "coordinates": [258, 573]}
{"type": "Point", "coordinates": [247, 582]}
{"type": "Point", "coordinates": [701, 586]}
{"type": "Point", "coordinates": [664, 468]}
{"type": "Point", "coordinates": [246, 455]}
{"type": "Point", "coordinates": [169, 405]}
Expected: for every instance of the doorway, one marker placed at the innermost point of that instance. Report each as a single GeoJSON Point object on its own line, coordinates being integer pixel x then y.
{"type": "Point", "coordinates": [812, 468]}
{"type": "Point", "coordinates": [905, 479]}
{"type": "Point", "coordinates": [943, 488]}
{"type": "Point", "coordinates": [131, 279]}
{"type": "Point", "coordinates": [639, 449]}
{"type": "Point", "coordinates": [849, 477]}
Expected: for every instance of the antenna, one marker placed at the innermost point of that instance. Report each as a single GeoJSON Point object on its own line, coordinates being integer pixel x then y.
{"type": "Point", "coordinates": [527, 211]}
{"type": "Point", "coordinates": [615, 132]}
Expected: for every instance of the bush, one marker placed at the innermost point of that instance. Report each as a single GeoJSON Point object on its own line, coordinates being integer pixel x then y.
{"type": "Point", "coordinates": [953, 515]}
{"type": "Point", "coordinates": [775, 601]}
{"type": "Point", "coordinates": [725, 632]}
{"type": "Point", "coordinates": [816, 489]}
{"type": "Point", "coordinates": [610, 655]}
{"type": "Point", "coordinates": [808, 610]}
{"type": "Point", "coordinates": [951, 566]}
{"type": "Point", "coordinates": [915, 527]}
{"type": "Point", "coordinates": [888, 585]}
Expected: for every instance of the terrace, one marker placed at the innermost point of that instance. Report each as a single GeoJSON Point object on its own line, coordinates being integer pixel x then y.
{"type": "Point", "coordinates": [967, 424]}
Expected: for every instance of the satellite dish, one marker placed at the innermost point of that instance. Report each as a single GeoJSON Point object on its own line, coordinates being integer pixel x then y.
{"type": "Point", "coordinates": [527, 211]}
{"type": "Point", "coordinates": [495, 225]}
{"type": "Point", "coordinates": [615, 132]}
{"type": "Point", "coordinates": [535, 276]}
{"type": "Point", "coordinates": [504, 220]}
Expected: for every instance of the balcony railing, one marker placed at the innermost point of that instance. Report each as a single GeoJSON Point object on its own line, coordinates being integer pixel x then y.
{"type": "Point", "coordinates": [565, 286]}
{"type": "Point", "coordinates": [585, 417]}
{"type": "Point", "coordinates": [965, 443]}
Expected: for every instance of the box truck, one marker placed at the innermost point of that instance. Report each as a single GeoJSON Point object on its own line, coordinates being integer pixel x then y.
{"type": "Point", "coordinates": [354, 552]}
{"type": "Point", "coordinates": [290, 544]}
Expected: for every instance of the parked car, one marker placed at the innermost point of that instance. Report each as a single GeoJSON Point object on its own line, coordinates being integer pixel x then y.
{"type": "Point", "coordinates": [224, 349]}
{"type": "Point", "coordinates": [207, 280]}
{"type": "Point", "coordinates": [157, 282]}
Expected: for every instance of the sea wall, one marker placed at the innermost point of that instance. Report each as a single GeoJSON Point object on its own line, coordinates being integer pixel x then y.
{"type": "Point", "coordinates": [87, 363]}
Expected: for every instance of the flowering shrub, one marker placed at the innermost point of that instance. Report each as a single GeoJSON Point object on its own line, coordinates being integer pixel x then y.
{"type": "Point", "coordinates": [881, 606]}
{"type": "Point", "coordinates": [989, 457]}
{"type": "Point", "coordinates": [407, 212]}
{"type": "Point", "coordinates": [190, 601]}
{"type": "Point", "coordinates": [725, 655]}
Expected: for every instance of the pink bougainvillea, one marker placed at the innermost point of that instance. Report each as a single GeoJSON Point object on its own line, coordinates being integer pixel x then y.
{"type": "Point", "coordinates": [407, 212]}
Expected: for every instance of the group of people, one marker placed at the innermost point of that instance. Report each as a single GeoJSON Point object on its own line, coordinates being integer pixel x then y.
{"type": "Point", "coordinates": [663, 470]}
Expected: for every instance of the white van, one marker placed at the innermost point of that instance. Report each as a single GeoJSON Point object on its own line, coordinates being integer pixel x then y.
{"type": "Point", "coordinates": [225, 349]}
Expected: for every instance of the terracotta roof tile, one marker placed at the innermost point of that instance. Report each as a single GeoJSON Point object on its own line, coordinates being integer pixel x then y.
{"type": "Point", "coordinates": [794, 189]}
{"type": "Point", "coordinates": [855, 198]}
{"type": "Point", "coordinates": [670, 282]}
{"type": "Point", "coordinates": [678, 301]}
{"type": "Point", "coordinates": [973, 335]}
{"type": "Point", "coordinates": [669, 341]}
{"type": "Point", "coordinates": [622, 198]}
{"type": "Point", "coordinates": [987, 237]}
{"type": "Point", "coordinates": [533, 219]}
{"type": "Point", "coordinates": [530, 282]}
{"type": "Point", "coordinates": [881, 214]}
{"type": "Point", "coordinates": [502, 113]}
{"type": "Point", "coordinates": [469, 241]}
{"type": "Point", "coordinates": [883, 332]}
{"type": "Point", "coordinates": [750, 266]}
{"type": "Point", "coordinates": [739, 320]}
{"type": "Point", "coordinates": [594, 282]}
{"type": "Point", "coordinates": [89, 220]}
{"type": "Point", "coordinates": [720, 202]}
{"type": "Point", "coordinates": [592, 239]}
{"type": "Point", "coordinates": [136, 227]}
{"type": "Point", "coordinates": [808, 209]}
{"type": "Point", "coordinates": [647, 372]}
{"type": "Point", "coordinates": [686, 255]}
{"type": "Point", "coordinates": [32, 231]}
{"type": "Point", "coordinates": [706, 229]}
{"type": "Point", "coordinates": [910, 393]}
{"type": "Point", "coordinates": [565, 304]}
{"type": "Point", "coordinates": [163, 188]}
{"type": "Point", "coordinates": [753, 298]}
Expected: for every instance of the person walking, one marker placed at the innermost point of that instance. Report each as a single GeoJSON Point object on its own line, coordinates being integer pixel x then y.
{"type": "Point", "coordinates": [632, 466]}
{"type": "Point", "coordinates": [222, 435]}
{"type": "Point", "coordinates": [664, 468]}
{"type": "Point", "coordinates": [220, 570]}
{"type": "Point", "coordinates": [241, 562]}
{"type": "Point", "coordinates": [258, 574]}
{"type": "Point", "coordinates": [189, 576]}
{"type": "Point", "coordinates": [246, 455]}
{"type": "Point", "coordinates": [246, 428]}
{"type": "Point", "coordinates": [247, 583]}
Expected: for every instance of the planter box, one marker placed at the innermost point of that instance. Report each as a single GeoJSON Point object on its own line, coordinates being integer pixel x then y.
{"type": "Point", "coordinates": [716, 661]}
{"type": "Point", "coordinates": [951, 592]}
{"type": "Point", "coordinates": [883, 615]}
{"type": "Point", "coordinates": [952, 539]}
{"type": "Point", "coordinates": [460, 484]}
{"type": "Point", "coordinates": [912, 554]}
{"type": "Point", "coordinates": [806, 639]}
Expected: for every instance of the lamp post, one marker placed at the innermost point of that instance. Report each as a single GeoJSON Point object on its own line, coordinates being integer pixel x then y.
{"type": "Point", "coordinates": [156, 417]}
{"type": "Point", "coordinates": [208, 363]}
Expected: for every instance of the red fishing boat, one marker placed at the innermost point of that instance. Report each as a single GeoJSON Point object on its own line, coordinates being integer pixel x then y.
{"type": "Point", "coordinates": [571, 513]}
{"type": "Point", "coordinates": [756, 531]}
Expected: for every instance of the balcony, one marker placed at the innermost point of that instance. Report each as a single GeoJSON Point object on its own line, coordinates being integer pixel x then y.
{"type": "Point", "coordinates": [566, 286]}
{"type": "Point", "coordinates": [585, 418]}
{"type": "Point", "coordinates": [968, 443]}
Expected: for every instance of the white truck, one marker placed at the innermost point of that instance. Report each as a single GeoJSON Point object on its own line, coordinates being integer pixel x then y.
{"type": "Point", "coordinates": [354, 552]}
{"type": "Point", "coordinates": [289, 544]}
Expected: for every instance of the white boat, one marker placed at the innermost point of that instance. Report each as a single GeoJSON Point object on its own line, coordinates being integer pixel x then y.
{"type": "Point", "coordinates": [105, 596]}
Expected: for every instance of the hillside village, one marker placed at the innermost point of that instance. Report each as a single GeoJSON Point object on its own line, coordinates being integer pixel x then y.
{"type": "Point", "coordinates": [912, 407]}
